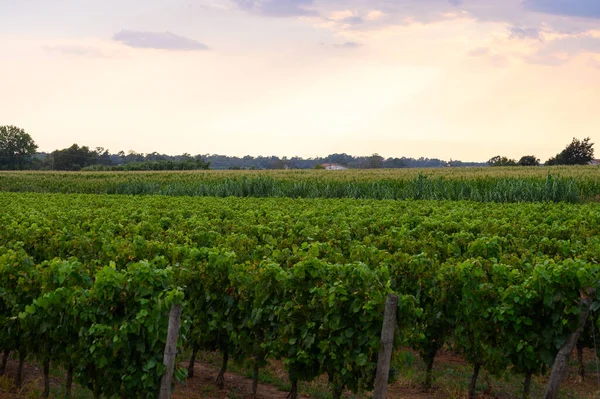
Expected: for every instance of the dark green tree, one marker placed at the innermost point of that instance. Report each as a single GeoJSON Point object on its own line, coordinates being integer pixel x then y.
{"type": "Point", "coordinates": [16, 148]}
{"type": "Point", "coordinates": [133, 156]}
{"type": "Point", "coordinates": [74, 158]}
{"type": "Point", "coordinates": [375, 161]}
{"type": "Point", "coordinates": [579, 152]}
{"type": "Point", "coordinates": [103, 156]}
{"type": "Point", "coordinates": [394, 163]}
{"type": "Point", "coordinates": [501, 161]}
{"type": "Point", "coordinates": [529, 160]}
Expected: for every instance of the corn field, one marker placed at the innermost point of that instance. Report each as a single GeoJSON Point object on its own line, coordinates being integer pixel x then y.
{"type": "Point", "coordinates": [519, 184]}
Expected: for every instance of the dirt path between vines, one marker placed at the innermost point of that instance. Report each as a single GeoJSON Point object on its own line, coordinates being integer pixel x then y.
{"type": "Point", "coordinates": [237, 386]}
{"type": "Point", "coordinates": [201, 386]}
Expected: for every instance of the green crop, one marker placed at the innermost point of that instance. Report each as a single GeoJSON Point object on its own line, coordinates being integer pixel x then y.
{"type": "Point", "coordinates": [519, 184]}
{"type": "Point", "coordinates": [301, 280]}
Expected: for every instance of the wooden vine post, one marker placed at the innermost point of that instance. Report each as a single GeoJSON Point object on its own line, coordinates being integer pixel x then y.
{"type": "Point", "coordinates": [170, 351]}
{"type": "Point", "coordinates": [561, 362]}
{"type": "Point", "coordinates": [387, 345]}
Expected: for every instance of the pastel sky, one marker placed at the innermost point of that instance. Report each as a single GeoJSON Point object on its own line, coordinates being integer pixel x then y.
{"type": "Point", "coordinates": [460, 79]}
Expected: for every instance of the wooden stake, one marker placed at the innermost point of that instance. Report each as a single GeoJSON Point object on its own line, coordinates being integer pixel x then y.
{"type": "Point", "coordinates": [561, 362]}
{"type": "Point", "coordinates": [170, 351]}
{"type": "Point", "coordinates": [387, 345]}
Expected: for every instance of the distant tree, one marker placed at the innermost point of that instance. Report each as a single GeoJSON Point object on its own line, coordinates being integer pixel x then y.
{"type": "Point", "coordinates": [375, 161]}
{"type": "Point", "coordinates": [103, 156]}
{"type": "Point", "coordinates": [341, 159]}
{"type": "Point", "coordinates": [394, 163]}
{"type": "Point", "coordinates": [501, 161]}
{"type": "Point", "coordinates": [155, 156]}
{"type": "Point", "coordinates": [529, 160]}
{"type": "Point", "coordinates": [186, 157]}
{"type": "Point", "coordinates": [74, 158]}
{"type": "Point", "coordinates": [277, 163]}
{"type": "Point", "coordinates": [318, 166]}
{"type": "Point", "coordinates": [17, 148]}
{"type": "Point", "coordinates": [579, 152]}
{"type": "Point", "coordinates": [133, 156]}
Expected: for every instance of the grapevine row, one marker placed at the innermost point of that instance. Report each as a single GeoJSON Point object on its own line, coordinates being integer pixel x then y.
{"type": "Point", "coordinates": [300, 280]}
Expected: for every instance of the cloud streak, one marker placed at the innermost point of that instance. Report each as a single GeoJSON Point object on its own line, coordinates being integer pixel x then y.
{"type": "Point", "coordinates": [75, 50]}
{"type": "Point", "coordinates": [356, 20]}
{"type": "Point", "coordinates": [348, 45]}
{"type": "Point", "coordinates": [158, 40]}
{"type": "Point", "coordinates": [571, 8]}
{"type": "Point", "coordinates": [525, 33]}
{"type": "Point", "coordinates": [278, 8]}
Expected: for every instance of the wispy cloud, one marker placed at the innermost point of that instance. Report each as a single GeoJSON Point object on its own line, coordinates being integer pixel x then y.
{"type": "Point", "coordinates": [479, 51]}
{"type": "Point", "coordinates": [594, 63]}
{"type": "Point", "coordinates": [355, 20]}
{"type": "Point", "coordinates": [573, 8]}
{"type": "Point", "coordinates": [559, 51]}
{"type": "Point", "coordinates": [158, 40]}
{"type": "Point", "coordinates": [348, 45]}
{"type": "Point", "coordinates": [278, 8]}
{"type": "Point", "coordinates": [497, 60]}
{"type": "Point", "coordinates": [73, 49]}
{"type": "Point", "coordinates": [517, 32]}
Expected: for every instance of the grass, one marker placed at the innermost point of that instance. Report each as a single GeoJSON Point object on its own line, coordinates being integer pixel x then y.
{"type": "Point", "coordinates": [451, 376]}
{"type": "Point", "coordinates": [274, 374]}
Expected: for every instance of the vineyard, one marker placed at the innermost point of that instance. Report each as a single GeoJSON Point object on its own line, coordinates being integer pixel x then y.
{"type": "Point", "coordinates": [86, 282]}
{"type": "Point", "coordinates": [534, 184]}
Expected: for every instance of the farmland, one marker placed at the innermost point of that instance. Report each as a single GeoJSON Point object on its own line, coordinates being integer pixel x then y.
{"type": "Point", "coordinates": [505, 184]}
{"type": "Point", "coordinates": [297, 280]}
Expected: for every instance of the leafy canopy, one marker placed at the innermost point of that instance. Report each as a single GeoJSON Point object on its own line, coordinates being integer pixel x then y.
{"type": "Point", "coordinates": [579, 152]}
{"type": "Point", "coordinates": [16, 148]}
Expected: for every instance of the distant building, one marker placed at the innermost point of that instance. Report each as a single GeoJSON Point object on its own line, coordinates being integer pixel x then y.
{"type": "Point", "coordinates": [333, 166]}
{"type": "Point", "coordinates": [595, 162]}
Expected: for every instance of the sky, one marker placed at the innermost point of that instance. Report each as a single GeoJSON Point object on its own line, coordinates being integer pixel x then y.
{"type": "Point", "coordinates": [451, 79]}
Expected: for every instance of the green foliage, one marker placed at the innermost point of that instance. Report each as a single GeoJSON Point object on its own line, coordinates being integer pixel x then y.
{"type": "Point", "coordinates": [479, 287]}
{"type": "Point", "coordinates": [19, 286]}
{"type": "Point", "coordinates": [529, 160]}
{"type": "Point", "coordinates": [579, 152]}
{"type": "Point", "coordinates": [109, 326]}
{"type": "Point", "coordinates": [124, 330]}
{"type": "Point", "coordinates": [484, 185]}
{"type": "Point", "coordinates": [16, 148]}
{"type": "Point", "coordinates": [375, 161]}
{"type": "Point", "coordinates": [51, 315]}
{"type": "Point", "coordinates": [304, 281]}
{"type": "Point", "coordinates": [501, 161]}
{"type": "Point", "coordinates": [190, 164]}
{"type": "Point", "coordinates": [73, 158]}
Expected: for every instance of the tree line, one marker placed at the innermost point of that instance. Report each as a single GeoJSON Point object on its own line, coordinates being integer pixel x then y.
{"type": "Point", "coordinates": [18, 151]}
{"type": "Point", "coordinates": [578, 152]}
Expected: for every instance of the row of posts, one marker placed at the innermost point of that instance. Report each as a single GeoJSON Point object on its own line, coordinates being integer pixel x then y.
{"type": "Point", "coordinates": [383, 363]}
{"type": "Point", "coordinates": [385, 354]}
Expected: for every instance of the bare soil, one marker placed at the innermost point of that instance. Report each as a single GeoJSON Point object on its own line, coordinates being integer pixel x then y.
{"type": "Point", "coordinates": [202, 386]}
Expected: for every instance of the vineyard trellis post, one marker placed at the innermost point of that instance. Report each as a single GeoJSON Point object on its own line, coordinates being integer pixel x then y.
{"type": "Point", "coordinates": [170, 351]}
{"type": "Point", "coordinates": [387, 345]}
{"type": "Point", "coordinates": [561, 362]}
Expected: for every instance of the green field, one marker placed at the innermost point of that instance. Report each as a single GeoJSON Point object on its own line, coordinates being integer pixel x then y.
{"type": "Point", "coordinates": [87, 281]}
{"type": "Point", "coordinates": [504, 184]}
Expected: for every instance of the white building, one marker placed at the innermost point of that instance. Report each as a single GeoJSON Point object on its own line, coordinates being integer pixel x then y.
{"type": "Point", "coordinates": [333, 166]}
